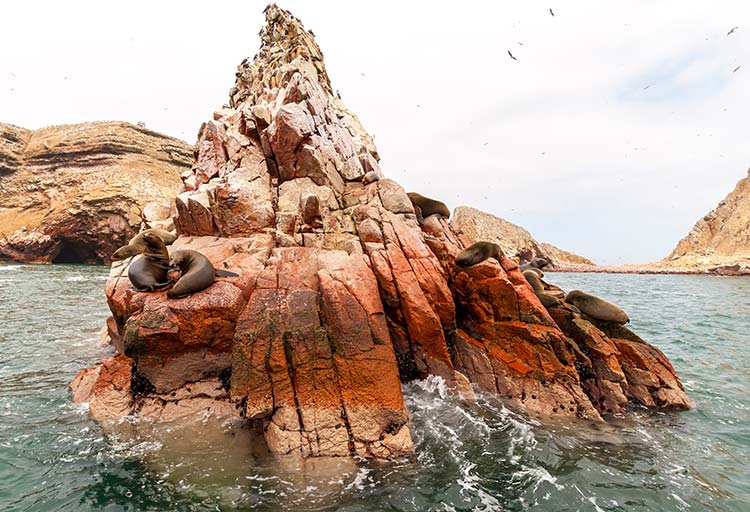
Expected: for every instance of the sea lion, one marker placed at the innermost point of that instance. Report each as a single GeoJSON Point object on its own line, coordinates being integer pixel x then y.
{"type": "Point", "coordinates": [370, 177]}
{"type": "Point", "coordinates": [198, 273]}
{"type": "Point", "coordinates": [428, 206]}
{"type": "Point", "coordinates": [148, 273]}
{"type": "Point", "coordinates": [597, 308]}
{"type": "Point", "coordinates": [539, 263]}
{"type": "Point", "coordinates": [478, 252]}
{"type": "Point", "coordinates": [137, 245]}
{"type": "Point", "coordinates": [537, 285]}
{"type": "Point", "coordinates": [535, 270]}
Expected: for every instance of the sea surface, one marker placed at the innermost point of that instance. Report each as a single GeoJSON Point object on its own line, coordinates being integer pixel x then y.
{"type": "Point", "coordinates": [469, 457]}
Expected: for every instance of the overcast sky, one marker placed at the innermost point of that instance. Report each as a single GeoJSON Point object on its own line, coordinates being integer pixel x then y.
{"type": "Point", "coordinates": [619, 125]}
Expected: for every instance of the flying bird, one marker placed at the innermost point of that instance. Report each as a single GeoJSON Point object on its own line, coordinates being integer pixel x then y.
{"type": "Point", "coordinates": [732, 31]}
{"type": "Point", "coordinates": [552, 13]}
{"type": "Point", "coordinates": [646, 87]}
{"type": "Point", "coordinates": [511, 55]}
{"type": "Point", "coordinates": [735, 69]}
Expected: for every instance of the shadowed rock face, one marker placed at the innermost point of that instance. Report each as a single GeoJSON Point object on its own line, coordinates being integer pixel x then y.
{"type": "Point", "coordinates": [75, 193]}
{"type": "Point", "coordinates": [339, 298]}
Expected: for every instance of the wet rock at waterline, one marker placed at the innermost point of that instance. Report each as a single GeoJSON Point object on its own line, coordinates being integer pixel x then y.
{"type": "Point", "coordinates": [342, 295]}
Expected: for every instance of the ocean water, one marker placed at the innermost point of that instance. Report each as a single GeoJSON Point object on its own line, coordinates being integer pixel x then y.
{"type": "Point", "coordinates": [480, 456]}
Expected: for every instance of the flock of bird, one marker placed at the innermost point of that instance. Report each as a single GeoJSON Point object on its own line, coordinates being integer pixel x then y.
{"type": "Point", "coordinates": [728, 34]}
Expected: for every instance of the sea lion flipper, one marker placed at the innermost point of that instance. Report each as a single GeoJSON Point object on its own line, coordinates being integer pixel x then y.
{"type": "Point", "coordinates": [225, 273]}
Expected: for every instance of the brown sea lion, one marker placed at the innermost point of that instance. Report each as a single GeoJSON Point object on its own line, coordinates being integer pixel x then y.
{"type": "Point", "coordinates": [198, 273]}
{"type": "Point", "coordinates": [137, 245]}
{"type": "Point", "coordinates": [478, 252]}
{"type": "Point", "coordinates": [424, 206]}
{"type": "Point", "coordinates": [537, 285]}
{"type": "Point", "coordinates": [370, 177]}
{"type": "Point", "coordinates": [535, 270]}
{"type": "Point", "coordinates": [148, 273]}
{"type": "Point", "coordinates": [539, 263]}
{"type": "Point", "coordinates": [597, 308]}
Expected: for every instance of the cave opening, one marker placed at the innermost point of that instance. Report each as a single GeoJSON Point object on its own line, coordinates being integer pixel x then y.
{"type": "Point", "coordinates": [75, 251]}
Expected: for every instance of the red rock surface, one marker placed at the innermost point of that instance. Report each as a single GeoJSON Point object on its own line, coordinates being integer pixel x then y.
{"type": "Point", "coordinates": [341, 294]}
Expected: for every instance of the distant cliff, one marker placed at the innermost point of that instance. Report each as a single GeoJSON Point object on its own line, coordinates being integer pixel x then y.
{"type": "Point", "coordinates": [476, 225]}
{"type": "Point", "coordinates": [720, 240]}
{"type": "Point", "coordinates": [74, 193]}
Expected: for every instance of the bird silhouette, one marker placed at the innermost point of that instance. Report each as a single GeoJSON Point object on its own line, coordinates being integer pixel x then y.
{"type": "Point", "coordinates": [552, 13]}
{"type": "Point", "coordinates": [511, 55]}
{"type": "Point", "coordinates": [732, 31]}
{"type": "Point", "coordinates": [735, 69]}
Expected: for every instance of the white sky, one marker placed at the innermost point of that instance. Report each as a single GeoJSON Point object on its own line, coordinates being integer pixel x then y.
{"type": "Point", "coordinates": [567, 141]}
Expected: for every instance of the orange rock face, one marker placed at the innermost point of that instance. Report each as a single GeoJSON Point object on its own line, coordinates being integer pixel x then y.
{"type": "Point", "coordinates": [341, 294]}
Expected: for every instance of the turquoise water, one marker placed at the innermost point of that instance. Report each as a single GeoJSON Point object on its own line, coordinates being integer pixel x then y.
{"type": "Point", "coordinates": [470, 457]}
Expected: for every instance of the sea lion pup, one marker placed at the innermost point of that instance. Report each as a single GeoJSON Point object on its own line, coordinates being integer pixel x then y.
{"type": "Point", "coordinates": [427, 206]}
{"type": "Point", "coordinates": [137, 245]}
{"type": "Point", "coordinates": [478, 252]}
{"type": "Point", "coordinates": [539, 263]}
{"type": "Point", "coordinates": [149, 272]}
{"type": "Point", "coordinates": [547, 300]}
{"type": "Point", "coordinates": [597, 308]}
{"type": "Point", "coordinates": [198, 273]}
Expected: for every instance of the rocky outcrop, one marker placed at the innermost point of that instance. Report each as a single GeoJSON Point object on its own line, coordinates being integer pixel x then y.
{"type": "Point", "coordinates": [475, 225]}
{"type": "Point", "coordinates": [76, 193]}
{"type": "Point", "coordinates": [341, 293]}
{"type": "Point", "coordinates": [720, 241]}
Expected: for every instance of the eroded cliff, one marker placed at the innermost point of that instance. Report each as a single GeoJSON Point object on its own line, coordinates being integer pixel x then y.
{"type": "Point", "coordinates": [477, 225]}
{"type": "Point", "coordinates": [720, 239]}
{"type": "Point", "coordinates": [75, 193]}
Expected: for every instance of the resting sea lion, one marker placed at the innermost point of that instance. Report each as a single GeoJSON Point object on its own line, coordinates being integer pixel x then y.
{"type": "Point", "coordinates": [149, 272]}
{"type": "Point", "coordinates": [537, 285]}
{"type": "Point", "coordinates": [539, 263]}
{"type": "Point", "coordinates": [370, 177]}
{"type": "Point", "coordinates": [477, 253]}
{"type": "Point", "coordinates": [137, 245]}
{"type": "Point", "coordinates": [535, 270]}
{"type": "Point", "coordinates": [198, 273]}
{"type": "Point", "coordinates": [597, 308]}
{"type": "Point", "coordinates": [428, 206]}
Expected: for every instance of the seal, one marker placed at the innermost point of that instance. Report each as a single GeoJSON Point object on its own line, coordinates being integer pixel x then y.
{"type": "Point", "coordinates": [539, 263]}
{"type": "Point", "coordinates": [370, 177]}
{"type": "Point", "coordinates": [427, 206]}
{"type": "Point", "coordinates": [478, 252]}
{"type": "Point", "coordinates": [198, 273]}
{"type": "Point", "coordinates": [137, 245]}
{"type": "Point", "coordinates": [537, 285]}
{"type": "Point", "coordinates": [535, 270]}
{"type": "Point", "coordinates": [148, 273]}
{"type": "Point", "coordinates": [597, 308]}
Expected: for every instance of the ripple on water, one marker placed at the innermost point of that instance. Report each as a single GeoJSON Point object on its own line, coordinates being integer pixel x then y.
{"type": "Point", "coordinates": [477, 456]}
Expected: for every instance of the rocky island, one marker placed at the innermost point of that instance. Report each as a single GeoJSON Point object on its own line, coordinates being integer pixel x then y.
{"type": "Point", "coordinates": [342, 292]}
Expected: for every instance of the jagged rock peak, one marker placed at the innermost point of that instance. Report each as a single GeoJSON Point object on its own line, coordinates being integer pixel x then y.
{"type": "Point", "coordinates": [286, 48]}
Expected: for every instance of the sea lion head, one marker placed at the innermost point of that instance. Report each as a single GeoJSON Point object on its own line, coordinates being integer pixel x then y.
{"type": "Point", "coordinates": [179, 259]}
{"type": "Point", "coordinates": [540, 263]}
{"type": "Point", "coordinates": [155, 246]}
